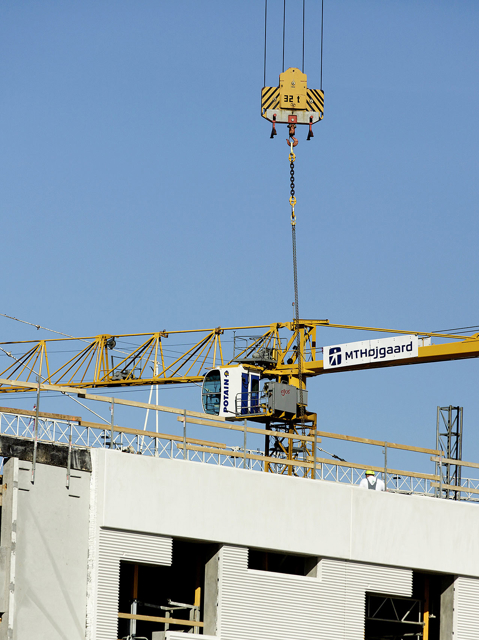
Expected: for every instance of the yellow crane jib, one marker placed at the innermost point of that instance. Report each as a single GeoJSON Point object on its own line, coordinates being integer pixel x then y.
{"type": "Point", "coordinates": [292, 102]}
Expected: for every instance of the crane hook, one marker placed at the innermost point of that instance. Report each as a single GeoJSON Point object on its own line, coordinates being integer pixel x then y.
{"type": "Point", "coordinates": [292, 142]}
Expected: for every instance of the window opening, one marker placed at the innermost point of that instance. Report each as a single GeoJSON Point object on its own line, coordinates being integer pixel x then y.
{"type": "Point", "coordinates": [262, 560]}
{"type": "Point", "coordinates": [212, 392]}
{"type": "Point", "coordinates": [175, 593]}
{"type": "Point", "coordinates": [393, 617]}
{"type": "Point", "coordinates": [255, 406]}
{"type": "Point", "coordinates": [427, 615]}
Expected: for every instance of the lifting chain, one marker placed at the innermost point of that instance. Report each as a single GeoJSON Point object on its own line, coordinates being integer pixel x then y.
{"type": "Point", "coordinates": [292, 201]}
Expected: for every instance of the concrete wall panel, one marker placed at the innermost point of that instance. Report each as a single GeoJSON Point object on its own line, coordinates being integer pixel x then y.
{"type": "Point", "coordinates": [268, 606]}
{"type": "Point", "coordinates": [466, 608]}
{"type": "Point", "coordinates": [116, 546]}
{"type": "Point", "coordinates": [48, 583]}
{"type": "Point", "coordinates": [295, 515]}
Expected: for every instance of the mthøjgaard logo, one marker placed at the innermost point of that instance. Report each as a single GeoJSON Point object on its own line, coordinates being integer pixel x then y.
{"type": "Point", "coordinates": [335, 356]}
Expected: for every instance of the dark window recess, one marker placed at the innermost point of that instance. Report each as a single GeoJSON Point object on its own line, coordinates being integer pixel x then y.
{"type": "Point", "coordinates": [282, 563]}
{"type": "Point", "coordinates": [153, 586]}
{"type": "Point", "coordinates": [390, 616]}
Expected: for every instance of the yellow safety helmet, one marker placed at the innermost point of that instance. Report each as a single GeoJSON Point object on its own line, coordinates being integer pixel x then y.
{"type": "Point", "coordinates": [369, 472]}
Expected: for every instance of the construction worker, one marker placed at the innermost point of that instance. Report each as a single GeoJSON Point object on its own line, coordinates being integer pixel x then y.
{"type": "Point", "coordinates": [371, 482]}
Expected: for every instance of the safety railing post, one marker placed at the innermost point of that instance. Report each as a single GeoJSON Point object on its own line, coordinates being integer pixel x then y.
{"type": "Point", "coordinates": [244, 442]}
{"type": "Point", "coordinates": [35, 437]}
{"type": "Point", "coordinates": [440, 475]}
{"type": "Point", "coordinates": [69, 458]}
{"type": "Point", "coordinates": [112, 411]}
{"type": "Point", "coordinates": [385, 465]}
{"type": "Point", "coordinates": [184, 435]}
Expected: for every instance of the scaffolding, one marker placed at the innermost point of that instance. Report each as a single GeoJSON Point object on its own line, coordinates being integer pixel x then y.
{"type": "Point", "coordinates": [449, 443]}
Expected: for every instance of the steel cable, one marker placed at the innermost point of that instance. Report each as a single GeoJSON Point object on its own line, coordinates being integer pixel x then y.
{"type": "Point", "coordinates": [265, 27]}
{"type": "Point", "coordinates": [299, 355]}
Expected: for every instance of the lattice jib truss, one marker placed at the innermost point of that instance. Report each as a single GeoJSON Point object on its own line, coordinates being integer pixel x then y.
{"type": "Point", "coordinates": [279, 351]}
{"type": "Point", "coordinates": [146, 359]}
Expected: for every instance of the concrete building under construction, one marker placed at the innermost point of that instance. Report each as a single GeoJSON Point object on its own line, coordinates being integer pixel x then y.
{"type": "Point", "coordinates": [99, 543]}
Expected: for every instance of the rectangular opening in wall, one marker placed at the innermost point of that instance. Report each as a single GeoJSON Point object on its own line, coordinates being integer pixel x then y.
{"type": "Point", "coordinates": [391, 616]}
{"type": "Point", "coordinates": [175, 592]}
{"type": "Point", "coordinates": [430, 608]}
{"type": "Point", "coordinates": [299, 565]}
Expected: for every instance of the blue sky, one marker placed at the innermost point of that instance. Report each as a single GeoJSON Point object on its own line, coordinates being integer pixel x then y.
{"type": "Point", "coordinates": [141, 191]}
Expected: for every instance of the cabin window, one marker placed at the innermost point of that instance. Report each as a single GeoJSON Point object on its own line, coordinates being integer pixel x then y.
{"type": "Point", "coordinates": [211, 394]}
{"type": "Point", "coordinates": [255, 408]}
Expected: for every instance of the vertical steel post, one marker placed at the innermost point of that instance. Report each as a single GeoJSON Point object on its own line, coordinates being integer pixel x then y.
{"type": "Point", "coordinates": [290, 450]}
{"type": "Point", "coordinates": [112, 412]}
{"type": "Point", "coordinates": [134, 604]}
{"type": "Point", "coordinates": [425, 630]}
{"type": "Point", "coordinates": [315, 451]}
{"type": "Point", "coordinates": [156, 421]}
{"type": "Point", "coordinates": [266, 447]}
{"type": "Point", "coordinates": [385, 466]}
{"type": "Point", "coordinates": [440, 475]}
{"type": "Point", "coordinates": [459, 450]}
{"type": "Point", "coordinates": [37, 412]}
{"type": "Point", "coordinates": [244, 443]}
{"type": "Point", "coordinates": [156, 416]}
{"type": "Point", "coordinates": [69, 459]}
{"type": "Point", "coordinates": [184, 434]}
{"type": "Point", "coordinates": [195, 612]}
{"type": "Point", "coordinates": [438, 469]}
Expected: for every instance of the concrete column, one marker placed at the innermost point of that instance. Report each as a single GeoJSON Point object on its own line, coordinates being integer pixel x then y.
{"type": "Point", "coordinates": [447, 608]}
{"type": "Point", "coordinates": [211, 593]}
{"type": "Point", "coordinates": [8, 547]}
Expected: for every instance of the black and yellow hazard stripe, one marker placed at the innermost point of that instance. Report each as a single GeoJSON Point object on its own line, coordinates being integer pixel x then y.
{"type": "Point", "coordinates": [315, 100]}
{"type": "Point", "coordinates": [269, 98]}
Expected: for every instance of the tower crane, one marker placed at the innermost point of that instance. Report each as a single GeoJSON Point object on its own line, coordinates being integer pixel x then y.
{"type": "Point", "coordinates": [258, 381]}
{"type": "Point", "coordinates": [263, 380]}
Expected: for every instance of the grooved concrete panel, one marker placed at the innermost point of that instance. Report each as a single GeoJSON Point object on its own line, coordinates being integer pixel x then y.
{"type": "Point", "coordinates": [466, 607]}
{"type": "Point", "coordinates": [268, 606]}
{"type": "Point", "coordinates": [116, 546]}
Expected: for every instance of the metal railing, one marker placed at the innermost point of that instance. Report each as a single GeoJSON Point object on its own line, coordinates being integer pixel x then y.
{"type": "Point", "coordinates": [93, 435]}
{"type": "Point", "coordinates": [250, 403]}
{"type": "Point", "coordinates": [76, 433]}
